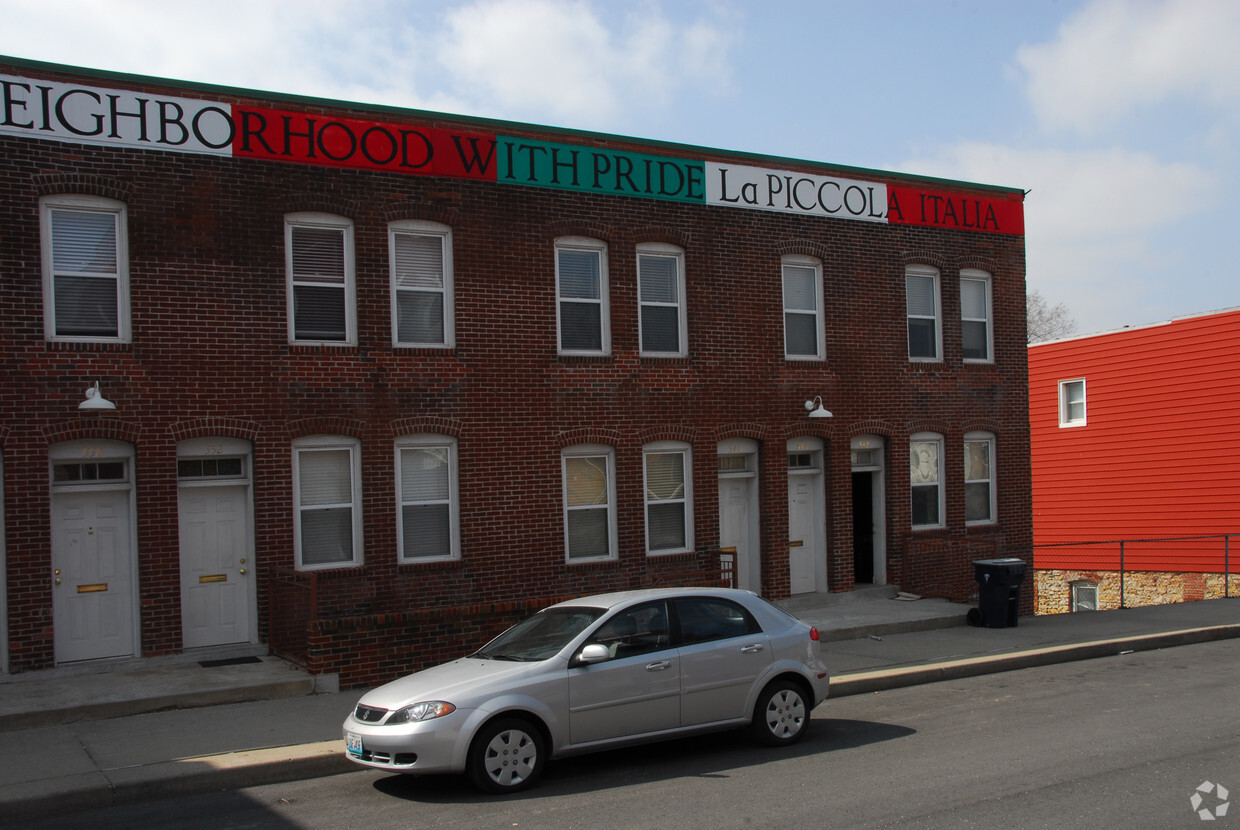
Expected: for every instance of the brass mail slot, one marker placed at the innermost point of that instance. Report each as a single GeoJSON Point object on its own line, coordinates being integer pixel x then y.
{"type": "Point", "coordinates": [214, 578]}
{"type": "Point", "coordinates": [798, 543]}
{"type": "Point", "coordinates": [93, 589]}
{"type": "Point", "coordinates": [727, 550]}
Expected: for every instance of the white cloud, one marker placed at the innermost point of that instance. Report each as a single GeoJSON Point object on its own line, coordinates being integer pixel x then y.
{"type": "Point", "coordinates": [1116, 56]}
{"type": "Point", "coordinates": [1090, 218]}
{"type": "Point", "coordinates": [560, 59]}
{"type": "Point", "coordinates": [323, 48]}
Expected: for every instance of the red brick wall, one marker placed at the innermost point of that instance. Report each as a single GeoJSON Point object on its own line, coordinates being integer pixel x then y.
{"type": "Point", "coordinates": [210, 356]}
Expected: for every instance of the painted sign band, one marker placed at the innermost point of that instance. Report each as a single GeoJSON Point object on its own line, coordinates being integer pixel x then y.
{"type": "Point", "coordinates": [58, 111]}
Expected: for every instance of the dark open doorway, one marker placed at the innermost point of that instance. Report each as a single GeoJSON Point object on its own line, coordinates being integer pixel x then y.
{"type": "Point", "coordinates": [863, 527]}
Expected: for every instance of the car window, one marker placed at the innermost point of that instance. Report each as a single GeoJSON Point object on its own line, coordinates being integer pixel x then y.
{"type": "Point", "coordinates": [703, 619]}
{"type": "Point", "coordinates": [540, 636]}
{"type": "Point", "coordinates": [638, 630]}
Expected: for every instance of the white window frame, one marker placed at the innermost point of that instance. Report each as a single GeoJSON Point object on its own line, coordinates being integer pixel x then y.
{"type": "Point", "coordinates": [973, 275]}
{"type": "Point", "coordinates": [969, 477]}
{"type": "Point", "coordinates": [817, 313]}
{"type": "Point", "coordinates": [443, 234]}
{"type": "Point", "coordinates": [684, 498]}
{"type": "Point", "coordinates": [654, 249]}
{"type": "Point", "coordinates": [329, 443]}
{"type": "Point", "coordinates": [1077, 590]}
{"type": "Point", "coordinates": [85, 204]}
{"type": "Point", "coordinates": [607, 454]}
{"type": "Point", "coordinates": [595, 246]}
{"type": "Point", "coordinates": [938, 444]}
{"type": "Point", "coordinates": [415, 443]}
{"type": "Point", "coordinates": [924, 272]}
{"type": "Point", "coordinates": [1066, 401]}
{"type": "Point", "coordinates": [321, 221]}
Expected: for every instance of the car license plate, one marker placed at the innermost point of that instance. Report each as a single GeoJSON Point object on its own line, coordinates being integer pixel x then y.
{"type": "Point", "coordinates": [353, 743]}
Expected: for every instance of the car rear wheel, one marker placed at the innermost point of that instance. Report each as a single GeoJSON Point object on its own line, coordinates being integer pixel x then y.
{"type": "Point", "coordinates": [507, 755]}
{"type": "Point", "coordinates": [781, 714]}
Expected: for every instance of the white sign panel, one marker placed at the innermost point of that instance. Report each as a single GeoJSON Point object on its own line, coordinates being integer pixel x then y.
{"type": "Point", "coordinates": [785, 191]}
{"type": "Point", "coordinates": [90, 115]}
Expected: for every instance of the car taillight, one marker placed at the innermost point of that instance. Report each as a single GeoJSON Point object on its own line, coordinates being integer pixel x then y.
{"type": "Point", "coordinates": [813, 633]}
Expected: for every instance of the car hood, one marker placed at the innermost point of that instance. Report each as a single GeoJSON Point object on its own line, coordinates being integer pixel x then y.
{"type": "Point", "coordinates": [464, 682]}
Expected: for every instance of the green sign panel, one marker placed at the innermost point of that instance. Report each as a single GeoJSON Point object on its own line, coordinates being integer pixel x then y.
{"type": "Point", "coordinates": [598, 170]}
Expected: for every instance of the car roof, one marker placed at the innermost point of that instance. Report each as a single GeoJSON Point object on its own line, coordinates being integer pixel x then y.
{"type": "Point", "coordinates": [618, 598]}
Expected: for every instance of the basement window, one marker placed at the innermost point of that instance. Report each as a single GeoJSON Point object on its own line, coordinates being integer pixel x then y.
{"type": "Point", "coordinates": [1084, 595]}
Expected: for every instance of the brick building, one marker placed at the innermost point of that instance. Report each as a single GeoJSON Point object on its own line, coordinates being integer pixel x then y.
{"type": "Point", "coordinates": [384, 379]}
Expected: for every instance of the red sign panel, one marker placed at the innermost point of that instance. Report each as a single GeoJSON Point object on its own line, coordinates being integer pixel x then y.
{"type": "Point", "coordinates": [310, 138]}
{"type": "Point", "coordinates": [914, 206]}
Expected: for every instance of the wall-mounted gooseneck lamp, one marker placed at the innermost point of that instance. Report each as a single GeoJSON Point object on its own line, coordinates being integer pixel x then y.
{"type": "Point", "coordinates": [95, 399]}
{"type": "Point", "coordinates": [816, 409]}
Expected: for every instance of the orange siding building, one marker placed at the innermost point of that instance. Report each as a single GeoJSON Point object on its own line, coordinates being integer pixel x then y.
{"type": "Point", "coordinates": [1136, 436]}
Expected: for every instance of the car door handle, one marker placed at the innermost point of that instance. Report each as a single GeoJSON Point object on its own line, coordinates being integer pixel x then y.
{"type": "Point", "coordinates": [659, 665]}
{"type": "Point", "coordinates": [752, 648]}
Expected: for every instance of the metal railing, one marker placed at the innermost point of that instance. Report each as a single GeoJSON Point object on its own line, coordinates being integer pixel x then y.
{"type": "Point", "coordinates": [1205, 555]}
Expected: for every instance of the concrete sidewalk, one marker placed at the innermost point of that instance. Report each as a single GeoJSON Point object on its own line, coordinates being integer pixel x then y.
{"type": "Point", "coordinates": [77, 740]}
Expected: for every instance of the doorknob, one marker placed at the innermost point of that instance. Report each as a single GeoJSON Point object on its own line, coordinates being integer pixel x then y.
{"type": "Point", "coordinates": [243, 571]}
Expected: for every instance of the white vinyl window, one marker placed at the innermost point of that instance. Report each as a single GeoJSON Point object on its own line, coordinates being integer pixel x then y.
{"type": "Point", "coordinates": [925, 334]}
{"type": "Point", "coordinates": [979, 478]}
{"type": "Point", "coordinates": [420, 256]}
{"type": "Point", "coordinates": [582, 314]}
{"type": "Point", "coordinates": [589, 495]}
{"type": "Point", "coordinates": [1072, 403]}
{"type": "Point", "coordinates": [975, 310]}
{"type": "Point", "coordinates": [661, 300]}
{"type": "Point", "coordinates": [803, 320]}
{"type": "Point", "coordinates": [427, 514]}
{"type": "Point", "coordinates": [327, 492]}
{"type": "Point", "coordinates": [668, 471]}
{"type": "Point", "coordinates": [85, 269]}
{"type": "Point", "coordinates": [321, 293]}
{"type": "Point", "coordinates": [926, 456]}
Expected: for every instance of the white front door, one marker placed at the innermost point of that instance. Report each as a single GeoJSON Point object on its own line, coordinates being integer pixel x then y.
{"type": "Point", "coordinates": [216, 572]}
{"type": "Point", "coordinates": [738, 510]}
{"type": "Point", "coordinates": [802, 535]}
{"type": "Point", "coordinates": [734, 528]}
{"type": "Point", "coordinates": [92, 561]}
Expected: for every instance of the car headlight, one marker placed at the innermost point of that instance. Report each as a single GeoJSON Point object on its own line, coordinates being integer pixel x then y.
{"type": "Point", "coordinates": [426, 710]}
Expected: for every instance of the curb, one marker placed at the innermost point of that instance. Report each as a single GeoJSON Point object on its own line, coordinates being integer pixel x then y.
{"type": "Point", "coordinates": [886, 679]}
{"type": "Point", "coordinates": [186, 776]}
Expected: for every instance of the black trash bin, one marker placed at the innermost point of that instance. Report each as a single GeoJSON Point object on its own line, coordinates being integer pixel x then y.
{"type": "Point", "coordinates": [998, 590]}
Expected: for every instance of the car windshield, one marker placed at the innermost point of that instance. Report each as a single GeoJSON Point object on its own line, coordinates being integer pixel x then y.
{"type": "Point", "coordinates": [540, 636]}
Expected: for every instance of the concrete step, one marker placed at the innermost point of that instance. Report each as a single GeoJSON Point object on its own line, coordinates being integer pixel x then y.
{"type": "Point", "coordinates": [65, 695]}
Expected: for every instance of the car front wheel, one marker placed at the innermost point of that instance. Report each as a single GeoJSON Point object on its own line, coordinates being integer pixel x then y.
{"type": "Point", "coordinates": [507, 755]}
{"type": "Point", "coordinates": [781, 715]}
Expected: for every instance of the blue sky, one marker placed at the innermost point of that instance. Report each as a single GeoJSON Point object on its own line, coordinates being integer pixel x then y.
{"type": "Point", "coordinates": [1119, 117]}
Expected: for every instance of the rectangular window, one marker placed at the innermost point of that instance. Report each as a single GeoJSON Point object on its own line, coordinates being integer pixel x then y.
{"type": "Point", "coordinates": [802, 284]}
{"type": "Point", "coordinates": [85, 269]}
{"type": "Point", "coordinates": [660, 297]}
{"type": "Point", "coordinates": [921, 285]}
{"type": "Point", "coordinates": [320, 279]}
{"type": "Point", "coordinates": [669, 523]}
{"type": "Point", "coordinates": [589, 491]}
{"type": "Point", "coordinates": [328, 529]}
{"type": "Point", "coordinates": [979, 489]}
{"type": "Point", "coordinates": [1072, 403]}
{"type": "Point", "coordinates": [581, 286]}
{"type": "Point", "coordinates": [421, 263]}
{"type": "Point", "coordinates": [927, 478]}
{"type": "Point", "coordinates": [975, 316]}
{"type": "Point", "coordinates": [426, 479]}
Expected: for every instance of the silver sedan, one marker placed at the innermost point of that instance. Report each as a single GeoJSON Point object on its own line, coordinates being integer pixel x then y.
{"type": "Point", "coordinates": [596, 673]}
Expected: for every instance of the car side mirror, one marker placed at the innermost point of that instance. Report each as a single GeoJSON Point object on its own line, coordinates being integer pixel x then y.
{"type": "Point", "coordinates": [593, 653]}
